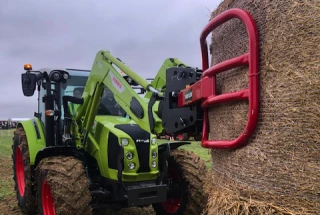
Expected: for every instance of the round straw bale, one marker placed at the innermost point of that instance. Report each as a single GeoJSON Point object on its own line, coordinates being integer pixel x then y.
{"type": "Point", "coordinates": [278, 172]}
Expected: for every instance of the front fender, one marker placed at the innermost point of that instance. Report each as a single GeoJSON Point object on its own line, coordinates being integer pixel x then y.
{"type": "Point", "coordinates": [164, 150]}
{"type": "Point", "coordinates": [57, 151]}
{"type": "Point", "coordinates": [35, 137]}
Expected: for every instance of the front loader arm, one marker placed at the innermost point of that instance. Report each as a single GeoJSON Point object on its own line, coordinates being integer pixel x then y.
{"type": "Point", "coordinates": [159, 82]}
{"type": "Point", "coordinates": [103, 74]}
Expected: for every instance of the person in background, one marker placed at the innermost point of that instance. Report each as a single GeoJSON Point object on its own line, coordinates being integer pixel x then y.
{"type": "Point", "coordinates": [77, 92]}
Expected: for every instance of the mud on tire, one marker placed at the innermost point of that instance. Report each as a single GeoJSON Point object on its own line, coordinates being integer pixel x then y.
{"type": "Point", "coordinates": [62, 181]}
{"type": "Point", "coordinates": [22, 174]}
{"type": "Point", "coordinates": [191, 172]}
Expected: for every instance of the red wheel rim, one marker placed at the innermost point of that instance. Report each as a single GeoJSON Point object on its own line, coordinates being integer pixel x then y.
{"type": "Point", "coordinates": [180, 137]}
{"type": "Point", "coordinates": [20, 172]}
{"type": "Point", "coordinates": [47, 199]}
{"type": "Point", "coordinates": [172, 205]}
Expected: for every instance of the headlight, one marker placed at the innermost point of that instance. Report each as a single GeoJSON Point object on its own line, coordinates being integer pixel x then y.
{"type": "Point", "coordinates": [124, 142]}
{"type": "Point", "coordinates": [129, 155]}
{"type": "Point", "coordinates": [154, 164]}
{"type": "Point", "coordinates": [154, 154]}
{"type": "Point", "coordinates": [154, 140]}
{"type": "Point", "coordinates": [131, 165]}
{"type": "Point", "coordinates": [65, 76]}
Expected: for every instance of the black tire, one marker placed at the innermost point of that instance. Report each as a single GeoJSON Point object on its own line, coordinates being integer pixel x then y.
{"type": "Point", "coordinates": [182, 137]}
{"type": "Point", "coordinates": [22, 174]}
{"type": "Point", "coordinates": [190, 171]}
{"type": "Point", "coordinates": [63, 182]}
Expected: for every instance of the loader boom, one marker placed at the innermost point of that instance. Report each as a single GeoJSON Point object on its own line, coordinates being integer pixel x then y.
{"type": "Point", "coordinates": [104, 74]}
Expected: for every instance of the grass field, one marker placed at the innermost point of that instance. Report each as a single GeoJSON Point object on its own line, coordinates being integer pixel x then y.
{"type": "Point", "coordinates": [6, 168]}
{"type": "Point", "coordinates": [8, 203]}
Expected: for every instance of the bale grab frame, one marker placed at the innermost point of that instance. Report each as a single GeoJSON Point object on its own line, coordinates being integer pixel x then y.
{"type": "Point", "coordinates": [207, 93]}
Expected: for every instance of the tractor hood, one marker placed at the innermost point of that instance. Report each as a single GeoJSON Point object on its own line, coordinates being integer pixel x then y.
{"type": "Point", "coordinates": [110, 121]}
{"type": "Point", "coordinates": [120, 126]}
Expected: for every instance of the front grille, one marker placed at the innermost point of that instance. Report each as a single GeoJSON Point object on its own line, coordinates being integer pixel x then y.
{"type": "Point", "coordinates": [144, 156]}
{"type": "Point", "coordinates": [142, 141]}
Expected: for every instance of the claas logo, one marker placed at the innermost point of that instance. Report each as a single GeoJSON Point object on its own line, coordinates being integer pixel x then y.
{"type": "Point", "coordinates": [117, 82]}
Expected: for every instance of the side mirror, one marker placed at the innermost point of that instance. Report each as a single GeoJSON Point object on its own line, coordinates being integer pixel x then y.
{"type": "Point", "coordinates": [29, 82]}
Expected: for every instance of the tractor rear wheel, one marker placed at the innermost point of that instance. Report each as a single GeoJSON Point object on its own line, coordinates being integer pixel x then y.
{"type": "Point", "coordinates": [62, 187]}
{"type": "Point", "coordinates": [22, 172]}
{"type": "Point", "coordinates": [185, 173]}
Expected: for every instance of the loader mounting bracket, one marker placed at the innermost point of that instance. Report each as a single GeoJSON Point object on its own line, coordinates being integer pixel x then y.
{"type": "Point", "coordinates": [174, 118]}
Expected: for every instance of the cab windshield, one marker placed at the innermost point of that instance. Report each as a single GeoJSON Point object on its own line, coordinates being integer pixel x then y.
{"type": "Point", "coordinates": [75, 87]}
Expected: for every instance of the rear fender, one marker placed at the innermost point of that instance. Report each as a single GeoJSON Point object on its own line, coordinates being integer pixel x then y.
{"type": "Point", "coordinates": [35, 137]}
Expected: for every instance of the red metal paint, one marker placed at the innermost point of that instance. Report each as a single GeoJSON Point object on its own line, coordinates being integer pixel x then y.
{"type": "Point", "coordinates": [200, 90]}
{"type": "Point", "coordinates": [47, 199]}
{"type": "Point", "coordinates": [20, 171]}
{"type": "Point", "coordinates": [172, 205]}
{"type": "Point", "coordinates": [251, 94]}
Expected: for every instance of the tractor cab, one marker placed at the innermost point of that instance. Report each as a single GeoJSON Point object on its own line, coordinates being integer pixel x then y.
{"type": "Point", "coordinates": [50, 111]}
{"type": "Point", "coordinates": [73, 86]}
{"type": "Point", "coordinates": [63, 83]}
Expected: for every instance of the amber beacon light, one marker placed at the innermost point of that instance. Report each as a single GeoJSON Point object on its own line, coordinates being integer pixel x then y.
{"type": "Point", "coordinates": [27, 67]}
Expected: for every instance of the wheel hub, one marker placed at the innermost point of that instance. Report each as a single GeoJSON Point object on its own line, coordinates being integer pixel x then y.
{"type": "Point", "coordinates": [172, 205]}
{"type": "Point", "coordinates": [20, 171]}
{"type": "Point", "coordinates": [47, 199]}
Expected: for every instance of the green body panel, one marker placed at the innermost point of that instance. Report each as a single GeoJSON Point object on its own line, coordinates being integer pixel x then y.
{"type": "Point", "coordinates": [98, 148]}
{"type": "Point", "coordinates": [73, 108]}
{"type": "Point", "coordinates": [34, 144]}
{"type": "Point", "coordinates": [159, 82]}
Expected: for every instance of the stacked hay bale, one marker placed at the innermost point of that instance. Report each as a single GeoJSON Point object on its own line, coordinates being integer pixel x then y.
{"type": "Point", "coordinates": [278, 172]}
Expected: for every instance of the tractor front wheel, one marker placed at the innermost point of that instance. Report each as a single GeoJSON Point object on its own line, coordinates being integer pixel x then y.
{"type": "Point", "coordinates": [186, 194]}
{"type": "Point", "coordinates": [22, 172]}
{"type": "Point", "coordinates": [62, 187]}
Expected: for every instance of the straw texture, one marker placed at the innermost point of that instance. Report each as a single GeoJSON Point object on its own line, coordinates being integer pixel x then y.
{"type": "Point", "coordinates": [278, 172]}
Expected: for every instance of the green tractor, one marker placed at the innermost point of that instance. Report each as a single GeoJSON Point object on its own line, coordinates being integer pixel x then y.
{"type": "Point", "coordinates": [93, 145]}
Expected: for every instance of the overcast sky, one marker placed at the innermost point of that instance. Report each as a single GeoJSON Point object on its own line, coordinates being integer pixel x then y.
{"type": "Point", "coordinates": [141, 33]}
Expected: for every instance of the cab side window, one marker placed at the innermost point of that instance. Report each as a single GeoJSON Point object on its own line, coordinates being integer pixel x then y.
{"type": "Point", "coordinates": [108, 105]}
